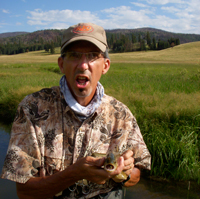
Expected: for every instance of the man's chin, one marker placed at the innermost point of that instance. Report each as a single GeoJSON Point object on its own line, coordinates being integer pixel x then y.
{"type": "Point", "coordinates": [82, 93]}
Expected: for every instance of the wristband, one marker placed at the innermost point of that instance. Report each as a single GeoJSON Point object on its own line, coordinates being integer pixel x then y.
{"type": "Point", "coordinates": [128, 178]}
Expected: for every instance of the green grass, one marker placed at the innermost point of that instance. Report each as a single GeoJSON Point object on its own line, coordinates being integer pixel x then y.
{"type": "Point", "coordinates": [19, 80]}
{"type": "Point", "coordinates": [157, 88]}
{"type": "Point", "coordinates": [164, 97]}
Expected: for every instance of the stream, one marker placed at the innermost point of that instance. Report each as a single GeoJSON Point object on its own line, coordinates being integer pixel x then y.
{"type": "Point", "coordinates": [145, 189]}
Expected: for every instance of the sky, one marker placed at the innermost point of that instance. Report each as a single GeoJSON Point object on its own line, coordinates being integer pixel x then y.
{"type": "Point", "coordinates": [179, 16]}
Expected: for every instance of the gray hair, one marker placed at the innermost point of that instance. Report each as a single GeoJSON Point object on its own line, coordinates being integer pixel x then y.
{"type": "Point", "coordinates": [106, 54]}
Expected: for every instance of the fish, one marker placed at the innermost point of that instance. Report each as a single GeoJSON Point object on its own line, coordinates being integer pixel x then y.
{"type": "Point", "coordinates": [110, 165]}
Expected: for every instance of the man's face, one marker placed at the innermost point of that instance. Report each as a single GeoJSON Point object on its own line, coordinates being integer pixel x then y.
{"type": "Point", "coordinates": [82, 76]}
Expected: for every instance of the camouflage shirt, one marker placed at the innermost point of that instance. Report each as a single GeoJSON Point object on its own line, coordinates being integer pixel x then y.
{"type": "Point", "coordinates": [47, 136]}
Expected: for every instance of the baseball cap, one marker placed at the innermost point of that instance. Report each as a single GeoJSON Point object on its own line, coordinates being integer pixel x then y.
{"type": "Point", "coordinates": [85, 31]}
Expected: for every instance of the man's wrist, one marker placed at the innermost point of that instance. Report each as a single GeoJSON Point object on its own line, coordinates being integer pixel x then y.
{"type": "Point", "coordinates": [128, 178]}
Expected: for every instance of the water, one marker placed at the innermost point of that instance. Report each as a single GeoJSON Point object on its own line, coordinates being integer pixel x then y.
{"type": "Point", "coordinates": [145, 189]}
{"type": "Point", "coordinates": [7, 188]}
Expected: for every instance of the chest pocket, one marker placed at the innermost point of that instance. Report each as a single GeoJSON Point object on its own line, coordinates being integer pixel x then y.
{"type": "Point", "coordinates": [102, 139]}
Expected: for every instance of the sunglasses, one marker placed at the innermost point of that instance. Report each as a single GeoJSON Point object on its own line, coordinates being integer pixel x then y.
{"type": "Point", "coordinates": [76, 56]}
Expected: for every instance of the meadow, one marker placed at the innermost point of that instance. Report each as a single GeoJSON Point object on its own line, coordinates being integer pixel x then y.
{"type": "Point", "coordinates": [161, 88]}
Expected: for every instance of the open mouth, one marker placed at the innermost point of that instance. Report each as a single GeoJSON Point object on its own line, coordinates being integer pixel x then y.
{"type": "Point", "coordinates": [82, 80]}
{"type": "Point", "coordinates": [109, 167]}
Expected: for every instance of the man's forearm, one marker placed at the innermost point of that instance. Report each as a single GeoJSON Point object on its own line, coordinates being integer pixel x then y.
{"type": "Point", "coordinates": [135, 177]}
{"type": "Point", "coordinates": [45, 187]}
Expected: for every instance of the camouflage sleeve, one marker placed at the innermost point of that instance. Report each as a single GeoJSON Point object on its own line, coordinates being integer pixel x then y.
{"type": "Point", "coordinates": [23, 155]}
{"type": "Point", "coordinates": [135, 142]}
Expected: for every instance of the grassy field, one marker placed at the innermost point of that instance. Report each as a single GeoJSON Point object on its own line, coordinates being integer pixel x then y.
{"type": "Point", "coordinates": [161, 88]}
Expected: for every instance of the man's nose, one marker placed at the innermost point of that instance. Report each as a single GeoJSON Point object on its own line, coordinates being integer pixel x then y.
{"type": "Point", "coordinates": [83, 63]}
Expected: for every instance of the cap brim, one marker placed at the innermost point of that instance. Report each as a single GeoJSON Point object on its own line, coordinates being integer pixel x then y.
{"type": "Point", "coordinates": [97, 43]}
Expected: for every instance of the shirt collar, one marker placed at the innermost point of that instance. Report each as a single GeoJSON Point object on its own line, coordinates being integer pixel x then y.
{"type": "Point", "coordinates": [81, 111]}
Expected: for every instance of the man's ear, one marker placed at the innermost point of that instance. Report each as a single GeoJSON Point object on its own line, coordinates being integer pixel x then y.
{"type": "Point", "coordinates": [60, 64]}
{"type": "Point", "coordinates": [106, 66]}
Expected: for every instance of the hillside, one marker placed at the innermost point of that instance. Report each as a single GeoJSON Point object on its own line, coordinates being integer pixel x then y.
{"type": "Point", "coordinates": [184, 53]}
{"type": "Point", "coordinates": [159, 34]}
{"type": "Point", "coordinates": [43, 36]}
{"type": "Point", "coordinates": [11, 34]}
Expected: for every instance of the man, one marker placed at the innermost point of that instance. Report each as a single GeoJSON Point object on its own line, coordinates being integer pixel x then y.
{"type": "Point", "coordinates": [58, 133]}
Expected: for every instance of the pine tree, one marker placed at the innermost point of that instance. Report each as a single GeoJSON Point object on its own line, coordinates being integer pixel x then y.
{"type": "Point", "coordinates": [133, 37]}
{"type": "Point", "coordinates": [154, 44]}
{"type": "Point", "coordinates": [143, 45]}
{"type": "Point", "coordinates": [52, 48]}
{"type": "Point", "coordinates": [148, 39]}
{"type": "Point", "coordinates": [139, 38]}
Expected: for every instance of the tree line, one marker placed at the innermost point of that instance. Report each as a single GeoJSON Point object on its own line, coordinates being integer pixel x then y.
{"type": "Point", "coordinates": [117, 42]}
{"type": "Point", "coordinates": [17, 47]}
{"type": "Point", "coordinates": [138, 42]}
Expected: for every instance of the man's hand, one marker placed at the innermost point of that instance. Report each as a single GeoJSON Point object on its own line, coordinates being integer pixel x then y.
{"type": "Point", "coordinates": [129, 169]}
{"type": "Point", "coordinates": [90, 168]}
{"type": "Point", "coordinates": [128, 162]}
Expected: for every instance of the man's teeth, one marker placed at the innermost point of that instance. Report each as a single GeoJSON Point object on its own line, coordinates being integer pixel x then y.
{"type": "Point", "coordinates": [82, 77]}
{"type": "Point", "coordinates": [82, 80]}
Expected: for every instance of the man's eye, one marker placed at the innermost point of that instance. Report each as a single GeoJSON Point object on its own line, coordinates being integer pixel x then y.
{"type": "Point", "coordinates": [92, 55]}
{"type": "Point", "coordinates": [75, 55]}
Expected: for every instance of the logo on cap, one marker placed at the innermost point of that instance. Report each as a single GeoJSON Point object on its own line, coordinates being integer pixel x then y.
{"type": "Point", "coordinates": [83, 29]}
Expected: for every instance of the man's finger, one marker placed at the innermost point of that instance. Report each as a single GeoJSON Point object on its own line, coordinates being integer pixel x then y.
{"type": "Point", "coordinates": [95, 161]}
{"type": "Point", "coordinates": [128, 154]}
{"type": "Point", "coordinates": [129, 161]}
{"type": "Point", "coordinates": [129, 166]}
